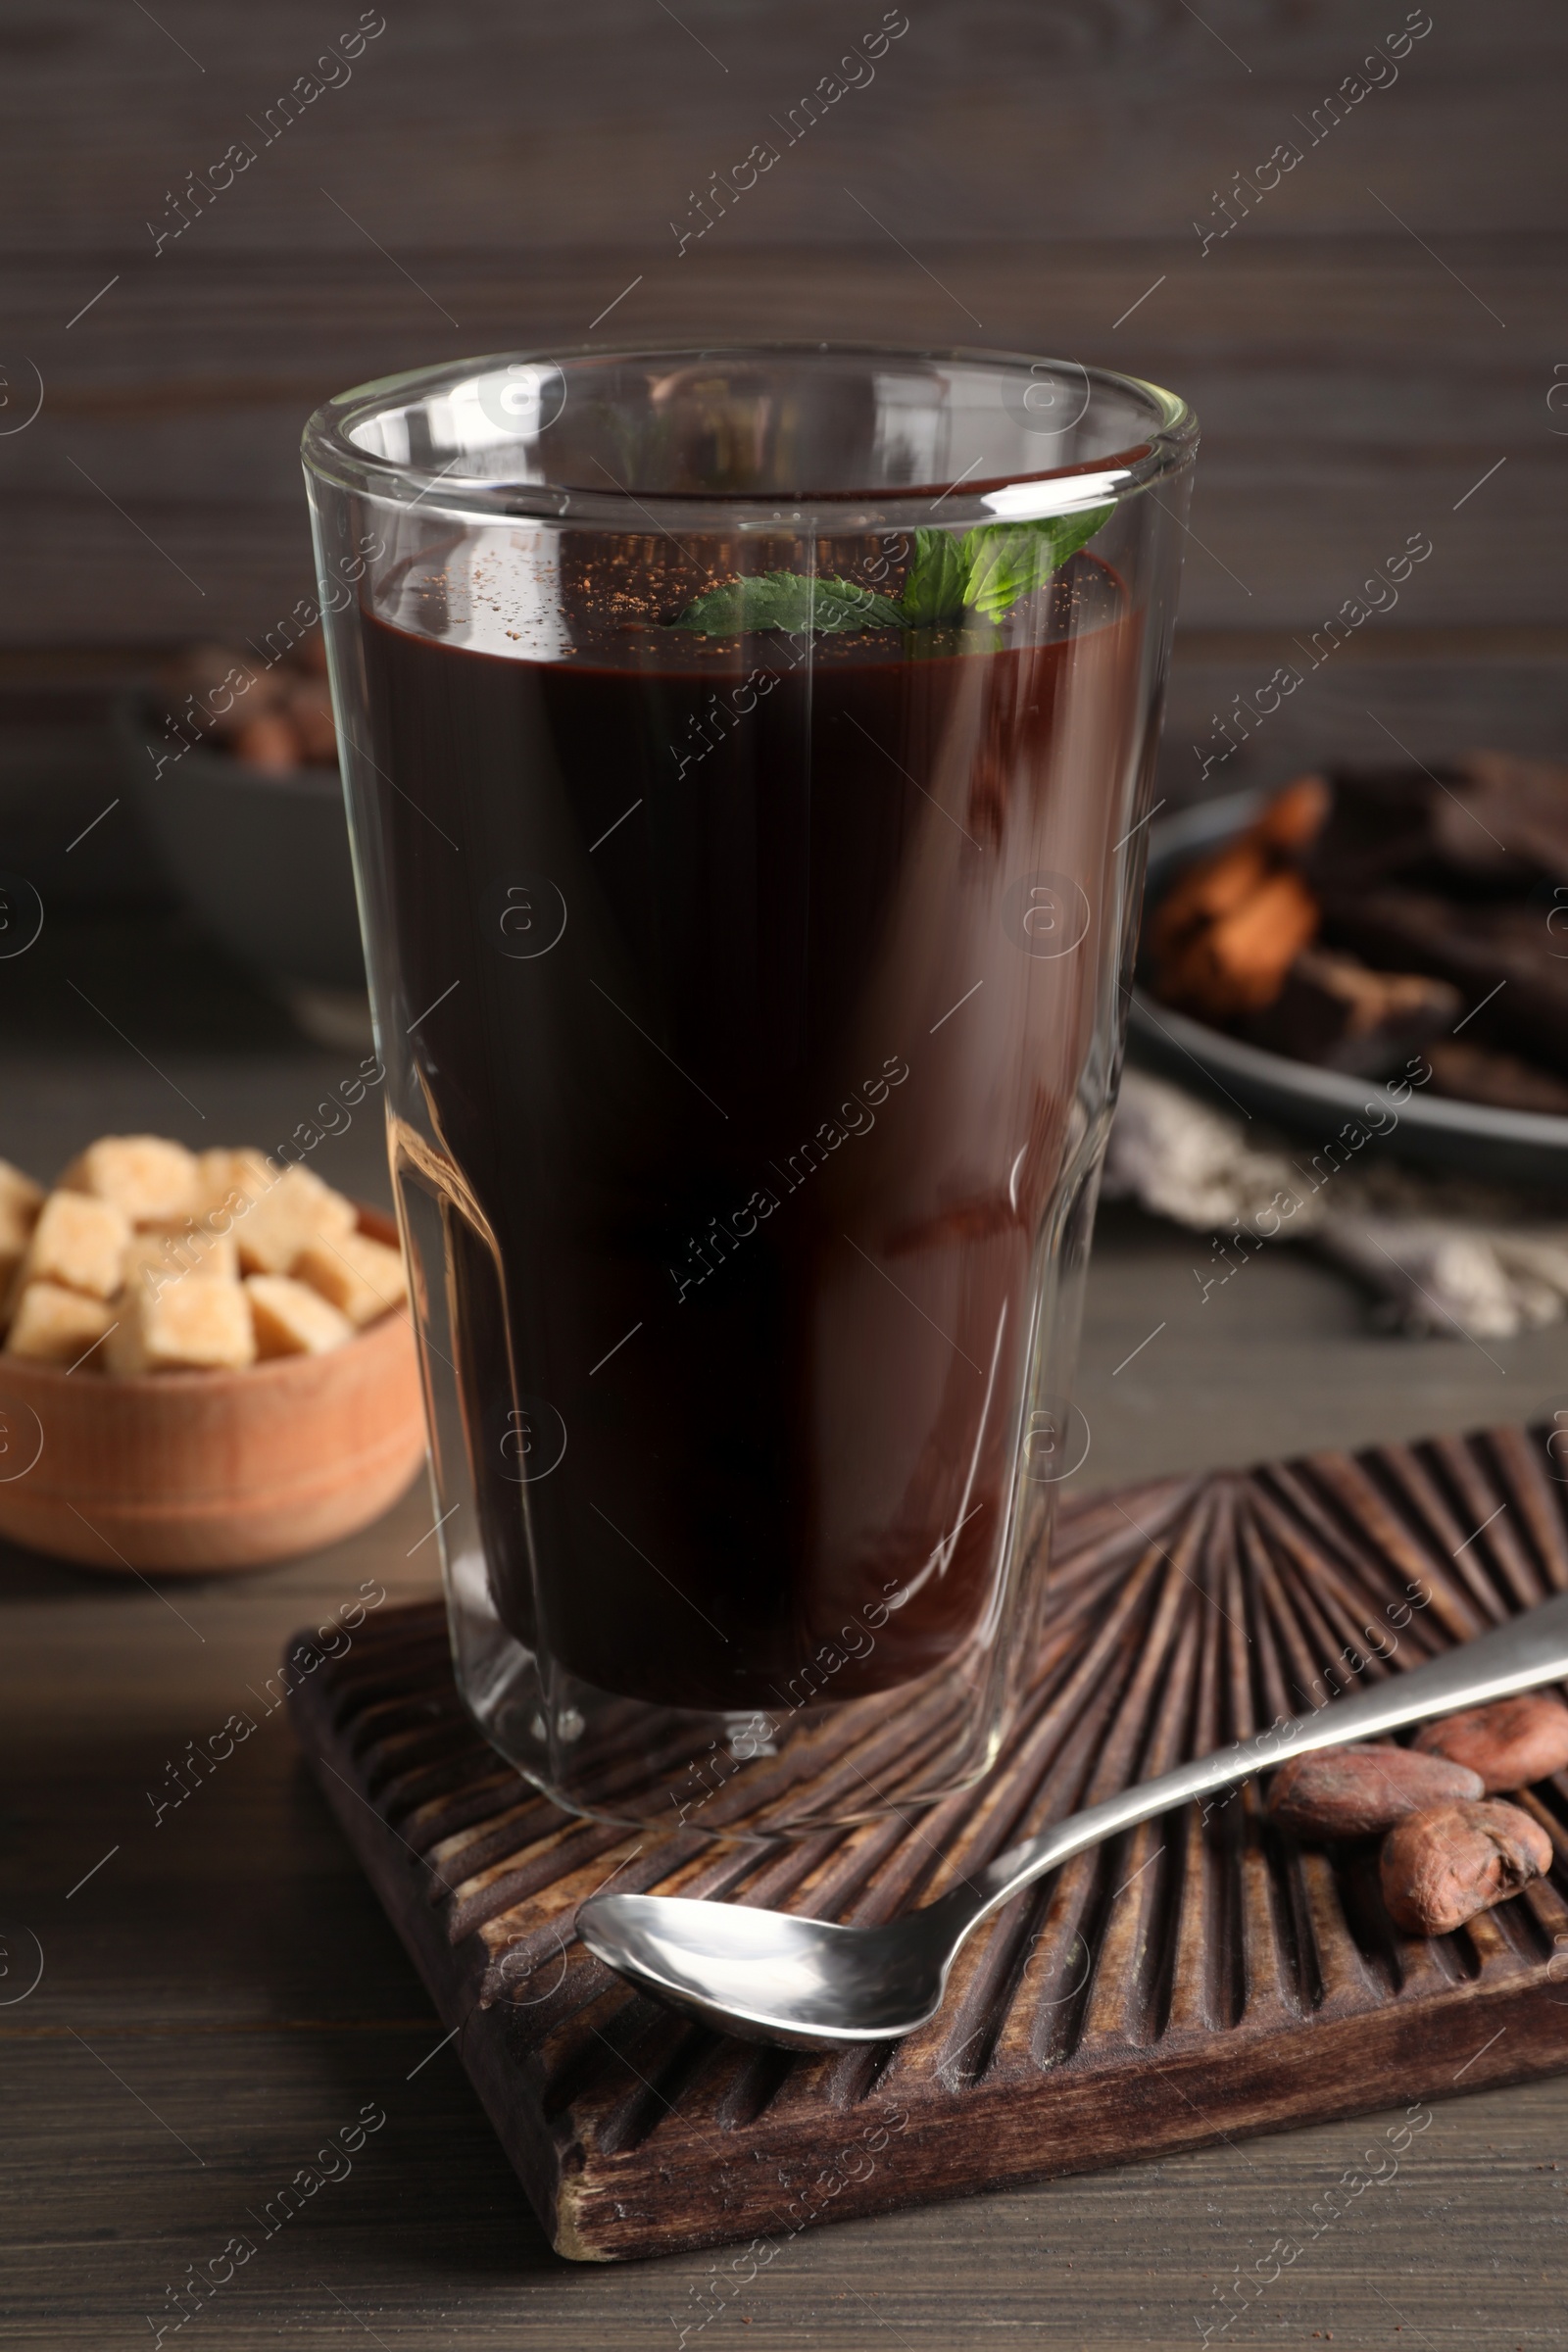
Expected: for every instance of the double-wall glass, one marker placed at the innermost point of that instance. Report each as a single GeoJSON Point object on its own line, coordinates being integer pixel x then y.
{"type": "Point", "coordinates": [745, 752]}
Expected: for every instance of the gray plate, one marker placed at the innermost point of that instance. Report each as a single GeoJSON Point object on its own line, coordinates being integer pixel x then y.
{"type": "Point", "coordinates": [1517, 1146]}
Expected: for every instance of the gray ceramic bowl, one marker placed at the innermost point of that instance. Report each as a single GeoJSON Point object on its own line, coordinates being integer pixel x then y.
{"type": "Point", "coordinates": [260, 860]}
{"type": "Point", "coordinates": [1509, 1147]}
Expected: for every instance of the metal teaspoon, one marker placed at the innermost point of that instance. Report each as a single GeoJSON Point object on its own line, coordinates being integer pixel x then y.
{"type": "Point", "coordinates": [810, 1983]}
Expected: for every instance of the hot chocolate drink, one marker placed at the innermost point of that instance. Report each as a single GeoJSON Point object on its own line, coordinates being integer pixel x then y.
{"type": "Point", "coordinates": [754, 989]}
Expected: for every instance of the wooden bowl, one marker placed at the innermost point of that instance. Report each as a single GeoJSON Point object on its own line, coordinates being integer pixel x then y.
{"type": "Point", "coordinates": [195, 1471]}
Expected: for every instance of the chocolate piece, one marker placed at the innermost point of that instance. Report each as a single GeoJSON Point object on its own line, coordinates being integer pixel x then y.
{"type": "Point", "coordinates": [1296, 816]}
{"type": "Point", "coordinates": [1501, 950]}
{"type": "Point", "coordinates": [1204, 893]}
{"type": "Point", "coordinates": [218, 690]}
{"type": "Point", "coordinates": [1468, 1073]}
{"type": "Point", "coordinates": [1422, 881]}
{"type": "Point", "coordinates": [1507, 821]}
{"type": "Point", "coordinates": [1336, 1011]}
{"type": "Point", "coordinates": [1223, 935]}
{"type": "Point", "coordinates": [1238, 964]}
{"type": "Point", "coordinates": [1379, 831]}
{"type": "Point", "coordinates": [270, 741]}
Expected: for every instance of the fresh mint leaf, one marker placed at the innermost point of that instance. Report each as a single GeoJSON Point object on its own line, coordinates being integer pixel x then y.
{"type": "Point", "coordinates": [1006, 561]}
{"type": "Point", "coordinates": [933, 590]}
{"type": "Point", "coordinates": [985, 573]}
{"type": "Point", "coordinates": [788, 600]}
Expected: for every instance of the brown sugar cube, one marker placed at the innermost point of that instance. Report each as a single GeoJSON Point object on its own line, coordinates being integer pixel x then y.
{"type": "Point", "coordinates": [20, 1198]}
{"type": "Point", "coordinates": [52, 1326]}
{"type": "Point", "coordinates": [20, 1203]}
{"type": "Point", "coordinates": [156, 1259]}
{"type": "Point", "coordinates": [228, 1168]}
{"type": "Point", "coordinates": [14, 1240]}
{"type": "Point", "coordinates": [297, 1210]}
{"type": "Point", "coordinates": [79, 1243]}
{"type": "Point", "coordinates": [292, 1320]}
{"type": "Point", "coordinates": [227, 1180]}
{"type": "Point", "coordinates": [188, 1327]}
{"type": "Point", "coordinates": [362, 1277]}
{"type": "Point", "coordinates": [146, 1177]}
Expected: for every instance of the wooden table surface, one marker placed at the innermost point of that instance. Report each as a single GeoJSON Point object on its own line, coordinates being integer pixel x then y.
{"type": "Point", "coordinates": [219, 1990]}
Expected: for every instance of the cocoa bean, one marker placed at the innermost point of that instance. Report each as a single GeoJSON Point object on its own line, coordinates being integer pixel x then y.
{"type": "Point", "coordinates": [1357, 1792]}
{"type": "Point", "coordinates": [1441, 1867]}
{"type": "Point", "coordinates": [1510, 1744]}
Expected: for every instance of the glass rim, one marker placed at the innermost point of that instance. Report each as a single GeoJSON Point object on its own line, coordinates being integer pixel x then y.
{"type": "Point", "coordinates": [331, 456]}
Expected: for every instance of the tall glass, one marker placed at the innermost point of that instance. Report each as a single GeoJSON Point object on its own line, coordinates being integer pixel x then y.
{"type": "Point", "coordinates": [746, 752]}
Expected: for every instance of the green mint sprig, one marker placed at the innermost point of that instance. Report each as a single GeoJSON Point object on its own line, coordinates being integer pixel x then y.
{"type": "Point", "coordinates": [950, 581]}
{"type": "Point", "coordinates": [788, 600]}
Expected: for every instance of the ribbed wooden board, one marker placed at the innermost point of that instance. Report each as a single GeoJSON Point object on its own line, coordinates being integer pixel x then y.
{"type": "Point", "coordinates": [1194, 1978]}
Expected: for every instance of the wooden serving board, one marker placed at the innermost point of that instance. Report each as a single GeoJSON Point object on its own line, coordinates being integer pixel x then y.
{"type": "Point", "coordinates": [1192, 1980]}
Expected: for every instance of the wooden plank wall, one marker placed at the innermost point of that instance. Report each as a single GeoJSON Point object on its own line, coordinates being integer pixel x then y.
{"type": "Point", "coordinates": [1375, 335]}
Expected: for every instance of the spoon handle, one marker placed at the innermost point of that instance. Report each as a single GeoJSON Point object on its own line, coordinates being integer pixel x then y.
{"type": "Point", "coordinates": [1532, 1649]}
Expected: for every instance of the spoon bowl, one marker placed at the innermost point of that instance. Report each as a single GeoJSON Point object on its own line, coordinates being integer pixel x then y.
{"type": "Point", "coordinates": [767, 1976]}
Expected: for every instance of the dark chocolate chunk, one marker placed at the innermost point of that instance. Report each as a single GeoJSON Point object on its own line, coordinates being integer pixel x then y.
{"type": "Point", "coordinates": [1336, 1011]}
{"type": "Point", "coordinates": [1500, 949]}
{"type": "Point", "coordinates": [1507, 822]}
{"type": "Point", "coordinates": [1468, 1073]}
{"type": "Point", "coordinates": [1379, 831]}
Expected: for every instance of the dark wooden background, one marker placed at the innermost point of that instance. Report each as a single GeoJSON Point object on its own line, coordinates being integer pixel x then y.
{"type": "Point", "coordinates": [493, 176]}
